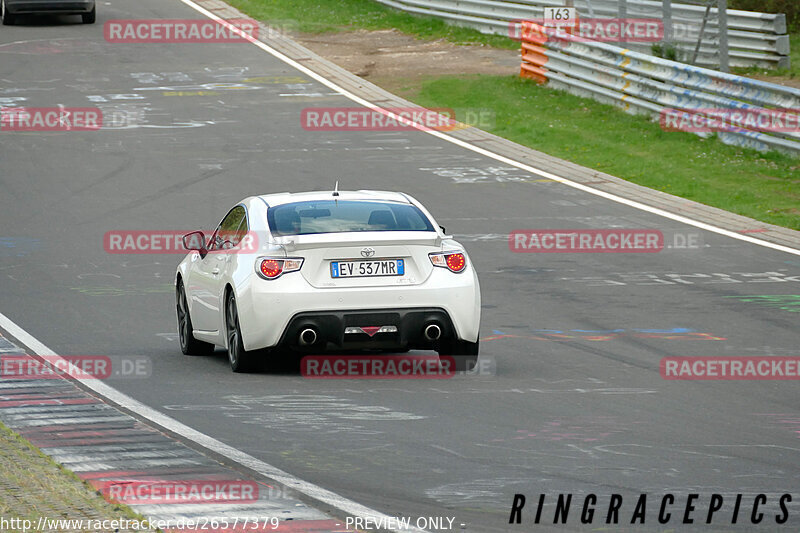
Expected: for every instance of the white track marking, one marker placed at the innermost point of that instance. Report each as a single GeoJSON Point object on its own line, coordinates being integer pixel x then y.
{"type": "Point", "coordinates": [289, 481]}
{"type": "Point", "coordinates": [309, 489]}
{"type": "Point", "coordinates": [487, 153]}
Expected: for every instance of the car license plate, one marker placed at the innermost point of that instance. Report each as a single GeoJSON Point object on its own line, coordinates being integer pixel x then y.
{"type": "Point", "coordinates": [361, 269]}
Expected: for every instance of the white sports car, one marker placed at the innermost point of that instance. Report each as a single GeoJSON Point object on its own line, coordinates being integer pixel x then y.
{"type": "Point", "coordinates": [315, 270]}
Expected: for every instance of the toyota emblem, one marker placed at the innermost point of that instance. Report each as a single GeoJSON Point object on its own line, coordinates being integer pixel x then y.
{"type": "Point", "coordinates": [367, 252]}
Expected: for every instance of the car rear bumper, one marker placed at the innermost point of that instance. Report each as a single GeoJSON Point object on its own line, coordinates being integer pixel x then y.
{"type": "Point", "coordinates": [22, 7]}
{"type": "Point", "coordinates": [273, 313]}
{"type": "Point", "coordinates": [330, 327]}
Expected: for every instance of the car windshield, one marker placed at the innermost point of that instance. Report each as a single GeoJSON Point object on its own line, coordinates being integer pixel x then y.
{"type": "Point", "coordinates": [340, 216]}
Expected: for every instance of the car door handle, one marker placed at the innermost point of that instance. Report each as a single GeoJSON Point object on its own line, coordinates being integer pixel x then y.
{"type": "Point", "coordinates": [215, 271]}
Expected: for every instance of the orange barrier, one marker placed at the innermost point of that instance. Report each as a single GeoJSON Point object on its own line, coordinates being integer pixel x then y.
{"type": "Point", "coordinates": [534, 57]}
{"type": "Point", "coordinates": [533, 62]}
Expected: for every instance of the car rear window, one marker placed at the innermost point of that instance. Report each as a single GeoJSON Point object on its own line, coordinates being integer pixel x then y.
{"type": "Point", "coordinates": [341, 216]}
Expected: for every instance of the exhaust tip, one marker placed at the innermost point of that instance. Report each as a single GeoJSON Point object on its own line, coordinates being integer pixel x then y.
{"type": "Point", "coordinates": [433, 332]}
{"type": "Point", "coordinates": [307, 336]}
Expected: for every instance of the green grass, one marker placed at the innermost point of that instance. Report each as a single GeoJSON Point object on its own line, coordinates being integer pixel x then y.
{"type": "Point", "coordinates": [762, 186]}
{"type": "Point", "coordinates": [320, 16]}
{"type": "Point", "coordinates": [35, 486]}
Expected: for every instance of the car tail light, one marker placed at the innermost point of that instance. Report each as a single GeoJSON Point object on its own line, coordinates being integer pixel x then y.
{"type": "Point", "coordinates": [453, 261]}
{"type": "Point", "coordinates": [271, 268]}
{"type": "Point", "coordinates": [274, 267]}
{"type": "Point", "coordinates": [456, 262]}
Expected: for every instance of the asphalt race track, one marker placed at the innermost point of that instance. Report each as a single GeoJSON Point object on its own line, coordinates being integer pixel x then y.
{"type": "Point", "coordinates": [571, 399]}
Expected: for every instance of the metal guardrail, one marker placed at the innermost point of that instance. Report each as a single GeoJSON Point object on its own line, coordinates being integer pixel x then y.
{"type": "Point", "coordinates": [754, 38]}
{"type": "Point", "coordinates": [644, 84]}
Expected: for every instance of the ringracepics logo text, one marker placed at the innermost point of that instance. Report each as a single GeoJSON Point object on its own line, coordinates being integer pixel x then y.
{"type": "Point", "coordinates": [666, 509]}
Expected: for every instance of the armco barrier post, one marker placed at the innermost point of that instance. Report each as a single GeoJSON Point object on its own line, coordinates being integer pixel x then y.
{"type": "Point", "coordinates": [722, 9]}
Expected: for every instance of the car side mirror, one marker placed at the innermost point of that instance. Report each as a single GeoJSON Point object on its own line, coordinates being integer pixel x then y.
{"type": "Point", "coordinates": [443, 230]}
{"type": "Point", "coordinates": [195, 241]}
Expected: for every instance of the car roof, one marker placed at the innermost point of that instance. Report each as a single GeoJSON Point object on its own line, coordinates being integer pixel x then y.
{"type": "Point", "coordinates": [291, 197]}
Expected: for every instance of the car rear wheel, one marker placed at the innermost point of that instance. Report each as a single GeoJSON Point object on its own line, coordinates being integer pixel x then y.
{"type": "Point", "coordinates": [240, 360]}
{"type": "Point", "coordinates": [89, 18]}
{"type": "Point", "coordinates": [189, 345]}
{"type": "Point", "coordinates": [8, 18]}
{"type": "Point", "coordinates": [465, 353]}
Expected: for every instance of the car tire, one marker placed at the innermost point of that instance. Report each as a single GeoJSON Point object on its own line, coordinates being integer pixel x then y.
{"type": "Point", "coordinates": [189, 345]}
{"type": "Point", "coordinates": [8, 18]}
{"type": "Point", "coordinates": [464, 353]}
{"type": "Point", "coordinates": [240, 360]}
{"type": "Point", "coordinates": [89, 18]}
